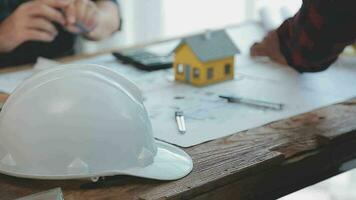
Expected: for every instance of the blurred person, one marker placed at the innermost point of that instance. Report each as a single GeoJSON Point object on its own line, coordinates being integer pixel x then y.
{"type": "Point", "coordinates": [48, 28]}
{"type": "Point", "coordinates": [314, 38]}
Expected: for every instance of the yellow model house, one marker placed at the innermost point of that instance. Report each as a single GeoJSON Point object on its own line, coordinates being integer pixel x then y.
{"type": "Point", "coordinates": [205, 59]}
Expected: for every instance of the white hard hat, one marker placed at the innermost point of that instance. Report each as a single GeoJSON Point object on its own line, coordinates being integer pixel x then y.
{"type": "Point", "coordinates": [83, 121]}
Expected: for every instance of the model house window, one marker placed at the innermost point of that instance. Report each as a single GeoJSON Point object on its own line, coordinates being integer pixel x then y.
{"type": "Point", "coordinates": [227, 69]}
{"type": "Point", "coordinates": [196, 73]}
{"type": "Point", "coordinates": [180, 68]}
{"type": "Point", "coordinates": [210, 73]}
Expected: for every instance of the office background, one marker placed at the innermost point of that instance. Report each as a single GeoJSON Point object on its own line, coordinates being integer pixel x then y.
{"type": "Point", "coordinates": [151, 20]}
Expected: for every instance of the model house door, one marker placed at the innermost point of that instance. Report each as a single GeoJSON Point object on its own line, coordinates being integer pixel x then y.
{"type": "Point", "coordinates": [187, 73]}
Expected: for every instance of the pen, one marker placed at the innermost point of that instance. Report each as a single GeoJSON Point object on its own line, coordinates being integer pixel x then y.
{"type": "Point", "coordinates": [253, 102]}
{"type": "Point", "coordinates": [180, 121]}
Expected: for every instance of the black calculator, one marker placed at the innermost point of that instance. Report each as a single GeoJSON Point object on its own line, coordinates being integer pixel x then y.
{"type": "Point", "coordinates": [144, 59]}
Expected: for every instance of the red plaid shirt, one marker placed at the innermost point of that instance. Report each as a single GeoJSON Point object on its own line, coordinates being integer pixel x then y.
{"type": "Point", "coordinates": [313, 39]}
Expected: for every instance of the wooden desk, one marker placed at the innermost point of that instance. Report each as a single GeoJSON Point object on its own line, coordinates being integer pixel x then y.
{"type": "Point", "coordinates": [262, 163]}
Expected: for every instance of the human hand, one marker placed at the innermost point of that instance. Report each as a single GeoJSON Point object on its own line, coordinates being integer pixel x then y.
{"type": "Point", "coordinates": [82, 17]}
{"type": "Point", "coordinates": [269, 47]}
{"type": "Point", "coordinates": [31, 21]}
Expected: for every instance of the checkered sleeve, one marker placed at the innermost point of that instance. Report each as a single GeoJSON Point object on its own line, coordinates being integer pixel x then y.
{"type": "Point", "coordinates": [313, 39]}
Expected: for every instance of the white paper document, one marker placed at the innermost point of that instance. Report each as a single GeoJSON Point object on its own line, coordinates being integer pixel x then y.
{"type": "Point", "coordinates": [209, 117]}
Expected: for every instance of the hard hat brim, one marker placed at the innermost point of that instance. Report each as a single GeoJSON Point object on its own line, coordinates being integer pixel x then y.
{"type": "Point", "coordinates": [170, 163]}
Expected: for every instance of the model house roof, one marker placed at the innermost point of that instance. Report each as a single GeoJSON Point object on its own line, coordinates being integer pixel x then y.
{"type": "Point", "coordinates": [211, 46]}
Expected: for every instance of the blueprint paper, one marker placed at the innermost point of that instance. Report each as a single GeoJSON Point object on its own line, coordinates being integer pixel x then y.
{"type": "Point", "coordinates": [207, 116]}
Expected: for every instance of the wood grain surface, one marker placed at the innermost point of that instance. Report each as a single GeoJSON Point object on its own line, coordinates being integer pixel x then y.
{"type": "Point", "coordinates": [261, 163]}
{"type": "Point", "coordinates": [312, 144]}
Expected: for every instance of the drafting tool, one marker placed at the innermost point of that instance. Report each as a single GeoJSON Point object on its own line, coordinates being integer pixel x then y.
{"type": "Point", "coordinates": [180, 121]}
{"type": "Point", "coordinates": [253, 102]}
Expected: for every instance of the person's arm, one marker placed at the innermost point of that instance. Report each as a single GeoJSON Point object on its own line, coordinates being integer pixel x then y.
{"type": "Point", "coordinates": [31, 21]}
{"type": "Point", "coordinates": [109, 21]}
{"type": "Point", "coordinates": [313, 39]}
{"type": "Point", "coordinates": [100, 17]}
